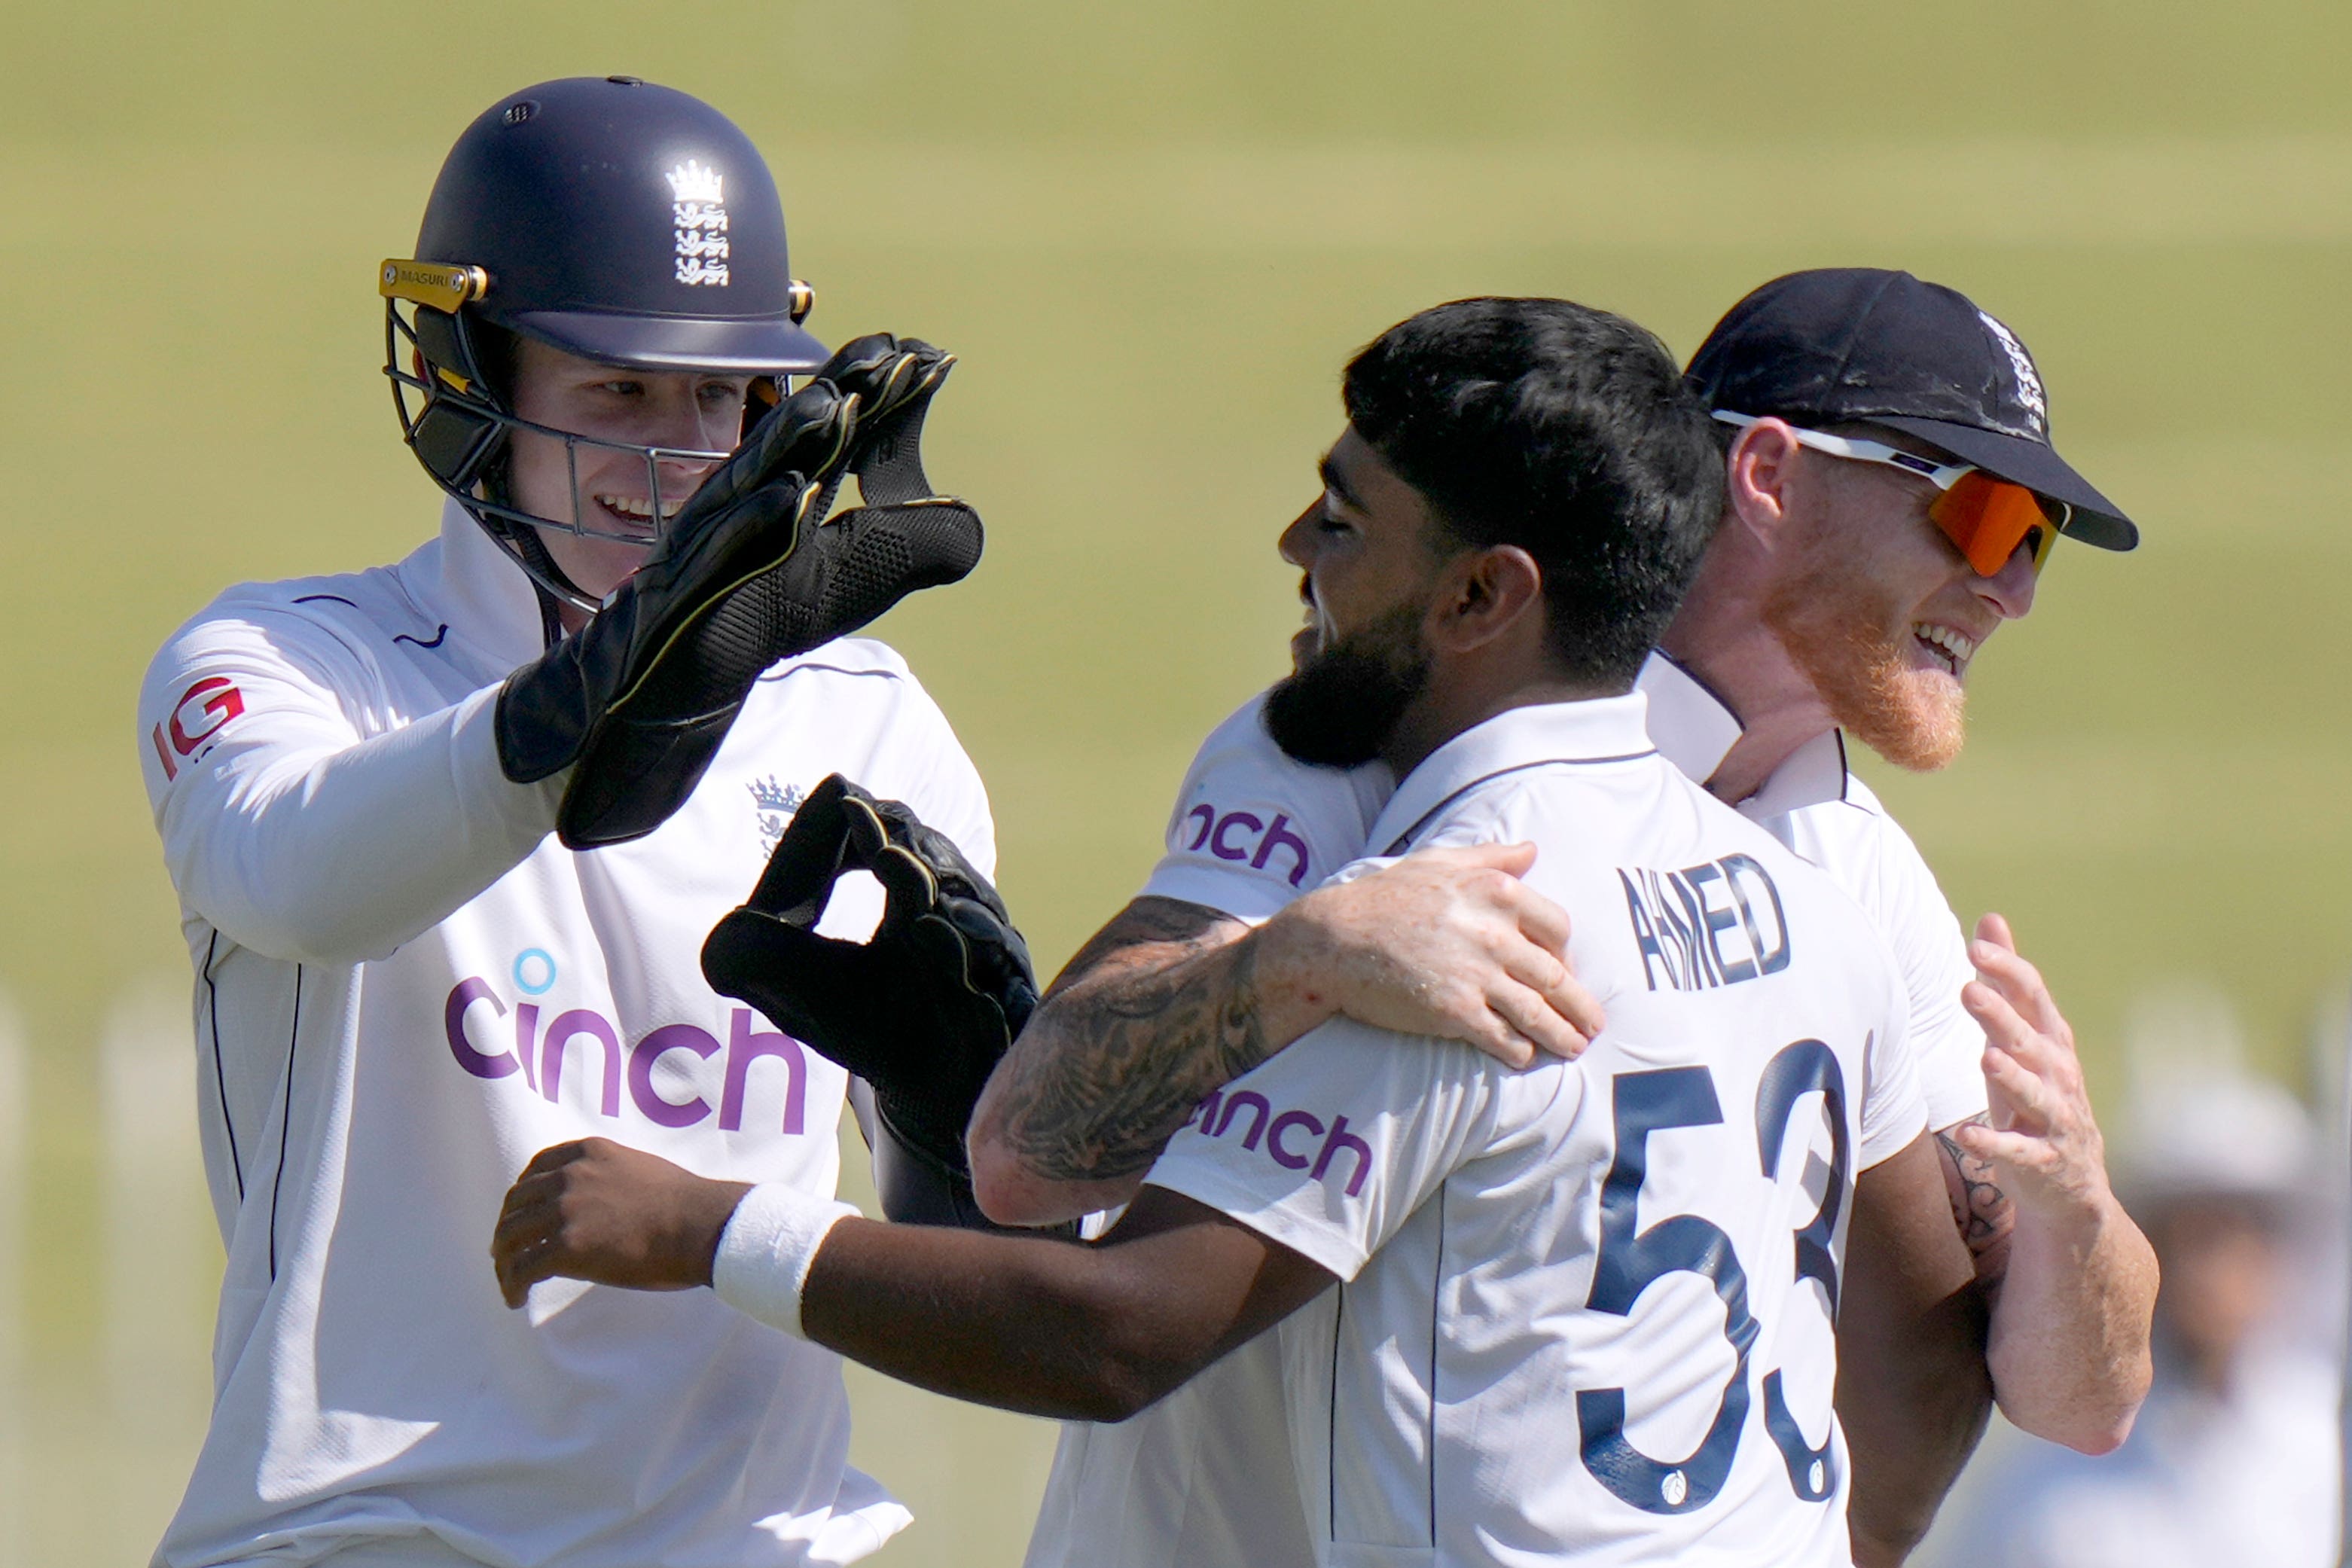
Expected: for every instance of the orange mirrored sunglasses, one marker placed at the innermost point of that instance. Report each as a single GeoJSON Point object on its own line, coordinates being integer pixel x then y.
{"type": "Point", "coordinates": [1986, 518]}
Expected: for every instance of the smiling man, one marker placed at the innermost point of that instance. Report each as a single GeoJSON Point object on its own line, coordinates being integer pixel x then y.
{"type": "Point", "coordinates": [447, 835]}
{"type": "Point", "coordinates": [1578, 1311]}
{"type": "Point", "coordinates": [603, 485]}
{"type": "Point", "coordinates": [1892, 497]}
{"type": "Point", "coordinates": [1860, 565]}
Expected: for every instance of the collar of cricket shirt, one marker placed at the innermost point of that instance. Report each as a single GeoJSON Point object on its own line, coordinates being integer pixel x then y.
{"type": "Point", "coordinates": [482, 592]}
{"type": "Point", "coordinates": [1601, 730]}
{"type": "Point", "coordinates": [1695, 730]}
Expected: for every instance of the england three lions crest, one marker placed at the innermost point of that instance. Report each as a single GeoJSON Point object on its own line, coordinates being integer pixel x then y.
{"type": "Point", "coordinates": [773, 807]}
{"type": "Point", "coordinates": [698, 211]}
{"type": "Point", "coordinates": [2029, 380]}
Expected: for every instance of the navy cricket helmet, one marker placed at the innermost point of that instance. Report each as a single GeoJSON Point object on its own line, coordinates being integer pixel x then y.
{"type": "Point", "coordinates": [606, 216]}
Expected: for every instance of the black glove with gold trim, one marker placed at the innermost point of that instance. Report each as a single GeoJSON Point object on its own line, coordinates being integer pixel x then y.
{"type": "Point", "coordinates": [924, 1010]}
{"type": "Point", "coordinates": [750, 572]}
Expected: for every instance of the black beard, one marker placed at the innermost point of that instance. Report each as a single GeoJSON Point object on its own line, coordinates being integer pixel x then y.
{"type": "Point", "coordinates": [1339, 707]}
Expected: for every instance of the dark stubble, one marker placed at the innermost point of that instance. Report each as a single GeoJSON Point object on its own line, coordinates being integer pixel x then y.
{"type": "Point", "coordinates": [1339, 707]}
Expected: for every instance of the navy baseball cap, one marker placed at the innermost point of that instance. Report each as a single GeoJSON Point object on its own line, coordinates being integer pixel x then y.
{"type": "Point", "coordinates": [1857, 342]}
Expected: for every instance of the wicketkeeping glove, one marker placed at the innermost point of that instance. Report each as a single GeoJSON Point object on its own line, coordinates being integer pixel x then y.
{"type": "Point", "coordinates": [924, 1010]}
{"type": "Point", "coordinates": [637, 701]}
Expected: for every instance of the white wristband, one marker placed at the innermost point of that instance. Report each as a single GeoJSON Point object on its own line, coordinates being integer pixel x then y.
{"type": "Point", "coordinates": [765, 1253]}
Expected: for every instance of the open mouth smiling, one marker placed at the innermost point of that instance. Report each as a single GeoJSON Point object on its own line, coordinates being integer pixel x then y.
{"type": "Point", "coordinates": [636, 516]}
{"type": "Point", "coordinates": [1951, 650]}
{"type": "Point", "coordinates": [640, 510]}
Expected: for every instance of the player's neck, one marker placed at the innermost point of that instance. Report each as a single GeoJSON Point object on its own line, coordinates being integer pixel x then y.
{"type": "Point", "coordinates": [1757, 755]}
{"type": "Point", "coordinates": [1721, 637]}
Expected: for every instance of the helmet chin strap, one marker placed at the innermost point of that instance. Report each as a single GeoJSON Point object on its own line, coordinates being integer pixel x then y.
{"type": "Point", "coordinates": [550, 584]}
{"type": "Point", "coordinates": [470, 462]}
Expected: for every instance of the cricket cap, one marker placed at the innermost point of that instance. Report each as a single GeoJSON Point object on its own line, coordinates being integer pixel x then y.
{"type": "Point", "coordinates": [1861, 343]}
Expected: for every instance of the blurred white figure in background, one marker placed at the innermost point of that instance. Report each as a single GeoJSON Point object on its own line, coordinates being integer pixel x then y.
{"type": "Point", "coordinates": [2236, 1458]}
{"type": "Point", "coordinates": [161, 1263]}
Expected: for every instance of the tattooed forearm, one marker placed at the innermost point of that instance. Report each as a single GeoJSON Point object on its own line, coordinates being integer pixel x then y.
{"type": "Point", "coordinates": [1157, 1011]}
{"type": "Point", "coordinates": [1983, 1211]}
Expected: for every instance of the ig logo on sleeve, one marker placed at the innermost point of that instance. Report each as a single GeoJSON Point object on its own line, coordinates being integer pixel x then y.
{"type": "Point", "coordinates": [202, 710]}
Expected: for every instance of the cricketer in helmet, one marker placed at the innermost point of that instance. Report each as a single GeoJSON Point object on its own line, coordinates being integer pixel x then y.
{"type": "Point", "coordinates": [448, 834]}
{"type": "Point", "coordinates": [544, 263]}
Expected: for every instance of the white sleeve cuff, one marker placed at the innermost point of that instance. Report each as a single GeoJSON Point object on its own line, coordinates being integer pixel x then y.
{"type": "Point", "coordinates": [766, 1251]}
{"type": "Point", "coordinates": [528, 810]}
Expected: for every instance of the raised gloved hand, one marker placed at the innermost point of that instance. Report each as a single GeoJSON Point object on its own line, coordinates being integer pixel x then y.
{"type": "Point", "coordinates": [636, 702]}
{"type": "Point", "coordinates": [924, 1010]}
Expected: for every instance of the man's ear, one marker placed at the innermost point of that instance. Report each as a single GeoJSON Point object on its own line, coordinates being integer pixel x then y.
{"type": "Point", "coordinates": [1758, 473]}
{"type": "Point", "coordinates": [1489, 592]}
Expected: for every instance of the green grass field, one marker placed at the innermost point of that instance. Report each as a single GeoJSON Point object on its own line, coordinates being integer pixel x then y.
{"type": "Point", "coordinates": [1154, 234]}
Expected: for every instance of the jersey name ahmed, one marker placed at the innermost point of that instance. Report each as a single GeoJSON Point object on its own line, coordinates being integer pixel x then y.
{"type": "Point", "coordinates": [404, 988]}
{"type": "Point", "coordinates": [1201, 1478]}
{"type": "Point", "coordinates": [1642, 1249]}
{"type": "Point", "coordinates": [1253, 829]}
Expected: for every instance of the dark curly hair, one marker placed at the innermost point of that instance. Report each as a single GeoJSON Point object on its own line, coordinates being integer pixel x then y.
{"type": "Point", "coordinates": [1563, 430]}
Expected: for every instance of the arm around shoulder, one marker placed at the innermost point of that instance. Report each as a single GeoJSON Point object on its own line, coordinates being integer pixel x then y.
{"type": "Point", "coordinates": [1125, 1043]}
{"type": "Point", "coordinates": [1172, 1000]}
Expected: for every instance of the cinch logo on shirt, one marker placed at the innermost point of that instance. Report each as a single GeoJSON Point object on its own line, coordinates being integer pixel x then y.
{"type": "Point", "coordinates": [1288, 1139]}
{"type": "Point", "coordinates": [540, 1055]}
{"type": "Point", "coordinates": [1242, 836]}
{"type": "Point", "coordinates": [1701, 927]}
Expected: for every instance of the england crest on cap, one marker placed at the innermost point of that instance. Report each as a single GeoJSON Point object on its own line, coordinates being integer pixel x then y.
{"type": "Point", "coordinates": [2029, 380]}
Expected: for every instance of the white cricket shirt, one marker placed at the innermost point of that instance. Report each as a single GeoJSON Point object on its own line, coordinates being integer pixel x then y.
{"type": "Point", "coordinates": [1815, 805]}
{"type": "Point", "coordinates": [1202, 1478]}
{"type": "Point", "coordinates": [1641, 1248]}
{"type": "Point", "coordinates": [406, 987]}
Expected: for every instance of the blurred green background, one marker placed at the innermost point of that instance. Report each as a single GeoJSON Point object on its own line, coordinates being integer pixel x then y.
{"type": "Point", "coordinates": [1154, 233]}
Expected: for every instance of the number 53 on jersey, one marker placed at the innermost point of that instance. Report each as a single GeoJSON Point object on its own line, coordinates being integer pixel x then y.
{"type": "Point", "coordinates": [1631, 1259]}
